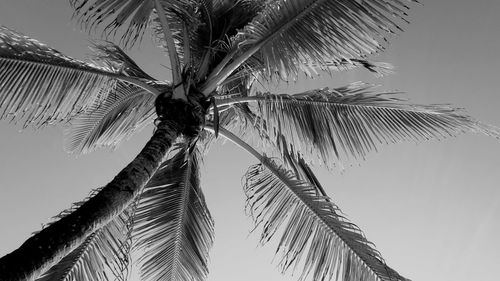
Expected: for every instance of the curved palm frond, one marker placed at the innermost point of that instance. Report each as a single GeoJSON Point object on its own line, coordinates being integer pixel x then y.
{"type": "Point", "coordinates": [173, 227]}
{"type": "Point", "coordinates": [315, 235]}
{"type": "Point", "coordinates": [126, 110]}
{"type": "Point", "coordinates": [289, 32]}
{"type": "Point", "coordinates": [104, 255]}
{"type": "Point", "coordinates": [39, 85]}
{"type": "Point", "coordinates": [335, 125]}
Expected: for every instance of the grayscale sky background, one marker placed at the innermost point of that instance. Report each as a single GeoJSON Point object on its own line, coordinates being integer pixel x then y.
{"type": "Point", "coordinates": [432, 209]}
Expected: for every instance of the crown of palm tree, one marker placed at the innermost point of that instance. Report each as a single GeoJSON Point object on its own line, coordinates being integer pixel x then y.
{"type": "Point", "coordinates": [221, 48]}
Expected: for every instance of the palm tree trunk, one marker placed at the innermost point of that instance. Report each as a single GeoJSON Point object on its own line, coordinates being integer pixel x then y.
{"type": "Point", "coordinates": [51, 244]}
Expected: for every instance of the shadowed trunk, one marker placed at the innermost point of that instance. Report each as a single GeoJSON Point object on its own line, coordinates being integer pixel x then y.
{"type": "Point", "coordinates": [51, 244]}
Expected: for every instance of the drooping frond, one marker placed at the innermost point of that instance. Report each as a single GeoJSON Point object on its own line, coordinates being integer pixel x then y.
{"type": "Point", "coordinates": [314, 234]}
{"type": "Point", "coordinates": [104, 255]}
{"type": "Point", "coordinates": [335, 125]}
{"type": "Point", "coordinates": [126, 110]}
{"type": "Point", "coordinates": [173, 227]}
{"type": "Point", "coordinates": [290, 32]}
{"type": "Point", "coordinates": [39, 85]}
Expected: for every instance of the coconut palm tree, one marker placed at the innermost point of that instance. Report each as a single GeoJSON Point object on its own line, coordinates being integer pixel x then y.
{"type": "Point", "coordinates": [222, 53]}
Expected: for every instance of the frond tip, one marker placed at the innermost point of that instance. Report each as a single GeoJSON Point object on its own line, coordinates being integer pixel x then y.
{"type": "Point", "coordinates": [314, 234]}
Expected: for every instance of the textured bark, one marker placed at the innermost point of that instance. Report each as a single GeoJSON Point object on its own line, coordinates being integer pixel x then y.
{"type": "Point", "coordinates": [51, 244]}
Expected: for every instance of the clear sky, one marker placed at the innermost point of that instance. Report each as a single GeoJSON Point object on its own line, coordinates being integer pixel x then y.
{"type": "Point", "coordinates": [432, 209]}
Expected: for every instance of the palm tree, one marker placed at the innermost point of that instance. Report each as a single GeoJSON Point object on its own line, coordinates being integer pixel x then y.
{"type": "Point", "coordinates": [220, 52]}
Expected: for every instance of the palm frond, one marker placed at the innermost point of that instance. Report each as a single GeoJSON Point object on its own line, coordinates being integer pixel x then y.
{"type": "Point", "coordinates": [127, 17]}
{"type": "Point", "coordinates": [321, 31]}
{"type": "Point", "coordinates": [111, 55]}
{"type": "Point", "coordinates": [245, 124]}
{"type": "Point", "coordinates": [378, 69]}
{"type": "Point", "coordinates": [126, 110]}
{"type": "Point", "coordinates": [104, 255]}
{"type": "Point", "coordinates": [303, 172]}
{"type": "Point", "coordinates": [207, 29]}
{"type": "Point", "coordinates": [254, 69]}
{"type": "Point", "coordinates": [342, 124]}
{"type": "Point", "coordinates": [175, 32]}
{"type": "Point", "coordinates": [315, 235]}
{"type": "Point", "coordinates": [39, 85]}
{"type": "Point", "coordinates": [173, 227]}
{"type": "Point", "coordinates": [289, 32]}
{"type": "Point", "coordinates": [220, 20]}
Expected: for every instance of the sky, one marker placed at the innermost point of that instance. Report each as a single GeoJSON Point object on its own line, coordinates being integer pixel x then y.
{"type": "Point", "coordinates": [432, 209]}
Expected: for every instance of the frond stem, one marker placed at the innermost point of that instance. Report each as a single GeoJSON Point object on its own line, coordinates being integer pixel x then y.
{"type": "Point", "coordinates": [231, 101]}
{"type": "Point", "coordinates": [183, 213]}
{"type": "Point", "coordinates": [219, 77]}
{"type": "Point", "coordinates": [127, 79]}
{"type": "Point", "coordinates": [187, 50]}
{"type": "Point", "coordinates": [236, 140]}
{"type": "Point", "coordinates": [169, 39]}
{"type": "Point", "coordinates": [140, 84]}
